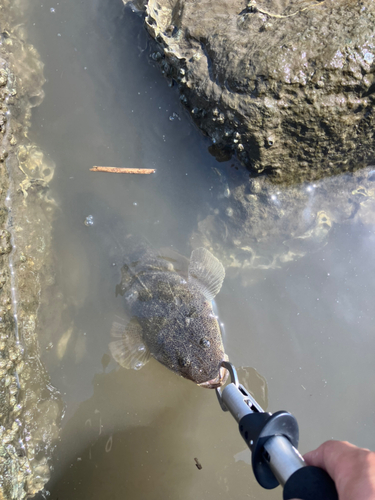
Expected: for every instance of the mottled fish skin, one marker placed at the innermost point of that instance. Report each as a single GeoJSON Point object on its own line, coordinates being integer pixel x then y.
{"type": "Point", "coordinates": [174, 315]}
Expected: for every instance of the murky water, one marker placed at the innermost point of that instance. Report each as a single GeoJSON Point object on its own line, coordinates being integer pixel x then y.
{"type": "Point", "coordinates": [306, 327]}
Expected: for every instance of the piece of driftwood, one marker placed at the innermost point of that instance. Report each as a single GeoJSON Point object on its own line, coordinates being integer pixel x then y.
{"type": "Point", "coordinates": [115, 170]}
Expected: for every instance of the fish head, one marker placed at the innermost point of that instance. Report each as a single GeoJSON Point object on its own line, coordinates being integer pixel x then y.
{"type": "Point", "coordinates": [192, 344]}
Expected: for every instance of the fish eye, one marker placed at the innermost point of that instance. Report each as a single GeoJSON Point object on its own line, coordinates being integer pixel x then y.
{"type": "Point", "coordinates": [183, 362]}
{"type": "Point", "coordinates": [204, 342]}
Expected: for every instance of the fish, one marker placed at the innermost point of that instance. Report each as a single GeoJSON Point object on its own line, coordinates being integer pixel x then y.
{"type": "Point", "coordinates": [168, 300]}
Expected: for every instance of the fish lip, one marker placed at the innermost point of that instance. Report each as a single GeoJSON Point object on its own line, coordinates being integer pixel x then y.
{"type": "Point", "coordinates": [217, 381]}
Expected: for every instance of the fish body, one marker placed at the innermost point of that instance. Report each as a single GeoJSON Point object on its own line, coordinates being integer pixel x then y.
{"type": "Point", "coordinates": [169, 301]}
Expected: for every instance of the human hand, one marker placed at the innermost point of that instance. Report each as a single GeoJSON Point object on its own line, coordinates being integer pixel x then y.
{"type": "Point", "coordinates": [351, 468]}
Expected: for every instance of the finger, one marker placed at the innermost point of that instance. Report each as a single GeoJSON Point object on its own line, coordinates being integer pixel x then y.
{"type": "Point", "coordinates": [329, 455]}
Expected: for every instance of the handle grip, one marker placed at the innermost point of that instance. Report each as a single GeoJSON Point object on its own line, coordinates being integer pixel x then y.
{"type": "Point", "coordinates": [273, 441]}
{"type": "Point", "coordinates": [310, 483]}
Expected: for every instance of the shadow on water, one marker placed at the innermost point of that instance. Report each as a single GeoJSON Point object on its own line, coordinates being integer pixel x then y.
{"type": "Point", "coordinates": [134, 462]}
{"type": "Point", "coordinates": [128, 440]}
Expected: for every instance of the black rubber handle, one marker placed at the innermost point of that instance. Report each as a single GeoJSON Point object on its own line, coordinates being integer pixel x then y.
{"type": "Point", "coordinates": [310, 483]}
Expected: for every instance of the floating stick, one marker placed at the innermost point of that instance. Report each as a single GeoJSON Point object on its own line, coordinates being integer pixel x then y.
{"type": "Point", "coordinates": [115, 170]}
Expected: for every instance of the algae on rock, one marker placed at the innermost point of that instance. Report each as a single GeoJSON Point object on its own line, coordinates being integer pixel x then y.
{"type": "Point", "coordinates": [30, 407]}
{"type": "Point", "coordinates": [258, 225]}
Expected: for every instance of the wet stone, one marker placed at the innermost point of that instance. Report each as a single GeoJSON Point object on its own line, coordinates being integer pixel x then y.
{"type": "Point", "coordinates": [278, 85]}
{"type": "Point", "coordinates": [27, 433]}
{"type": "Point", "coordinates": [3, 78]}
{"type": "Point", "coordinates": [3, 155]}
{"type": "Point", "coordinates": [5, 242]}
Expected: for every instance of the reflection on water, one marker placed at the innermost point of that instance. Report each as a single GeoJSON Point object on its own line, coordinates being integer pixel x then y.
{"type": "Point", "coordinates": [306, 326]}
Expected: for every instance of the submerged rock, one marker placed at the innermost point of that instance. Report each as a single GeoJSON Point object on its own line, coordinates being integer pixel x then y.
{"type": "Point", "coordinates": [30, 407]}
{"type": "Point", "coordinates": [287, 86]}
{"type": "Point", "coordinates": [262, 226]}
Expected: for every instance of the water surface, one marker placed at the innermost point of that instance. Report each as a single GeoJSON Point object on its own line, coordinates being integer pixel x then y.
{"type": "Point", "coordinates": [306, 328]}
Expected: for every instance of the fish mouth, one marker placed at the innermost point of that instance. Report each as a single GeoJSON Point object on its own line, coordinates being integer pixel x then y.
{"type": "Point", "coordinates": [219, 380]}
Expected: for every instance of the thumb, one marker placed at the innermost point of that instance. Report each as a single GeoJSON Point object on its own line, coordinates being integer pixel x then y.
{"type": "Point", "coordinates": [329, 455]}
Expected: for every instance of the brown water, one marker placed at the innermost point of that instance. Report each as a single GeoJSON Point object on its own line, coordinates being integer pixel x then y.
{"type": "Point", "coordinates": [306, 328]}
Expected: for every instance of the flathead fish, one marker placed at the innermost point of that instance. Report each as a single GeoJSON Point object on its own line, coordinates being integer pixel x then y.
{"type": "Point", "coordinates": [169, 301]}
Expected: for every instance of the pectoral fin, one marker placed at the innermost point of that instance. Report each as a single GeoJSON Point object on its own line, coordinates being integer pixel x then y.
{"type": "Point", "coordinates": [206, 272]}
{"type": "Point", "coordinates": [129, 350]}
